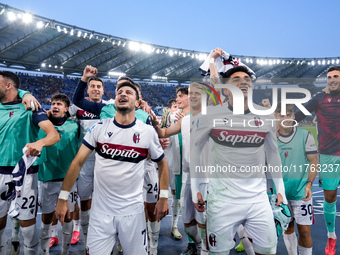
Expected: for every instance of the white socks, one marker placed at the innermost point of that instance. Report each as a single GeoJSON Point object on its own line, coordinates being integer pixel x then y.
{"type": "Point", "coordinates": [45, 236]}
{"type": "Point", "coordinates": [304, 251]}
{"type": "Point", "coordinates": [84, 222]}
{"type": "Point", "coordinates": [67, 236]}
{"type": "Point", "coordinates": [31, 240]}
{"type": "Point", "coordinates": [153, 230]}
{"type": "Point", "coordinates": [175, 211]}
{"type": "Point", "coordinates": [3, 242]}
{"type": "Point", "coordinates": [76, 225]}
{"type": "Point", "coordinates": [291, 243]}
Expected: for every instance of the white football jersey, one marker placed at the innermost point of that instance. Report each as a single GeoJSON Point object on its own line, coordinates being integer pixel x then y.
{"type": "Point", "coordinates": [238, 143]}
{"type": "Point", "coordinates": [119, 167]}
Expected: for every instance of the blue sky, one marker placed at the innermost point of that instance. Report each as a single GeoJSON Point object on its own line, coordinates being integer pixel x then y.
{"type": "Point", "coordinates": [253, 28]}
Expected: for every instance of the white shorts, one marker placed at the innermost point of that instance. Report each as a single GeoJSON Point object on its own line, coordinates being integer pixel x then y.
{"type": "Point", "coordinates": [27, 199]}
{"type": "Point", "coordinates": [150, 186]}
{"type": "Point", "coordinates": [4, 204]}
{"type": "Point", "coordinates": [302, 211]}
{"type": "Point", "coordinates": [49, 196]}
{"type": "Point", "coordinates": [85, 181]}
{"type": "Point", "coordinates": [224, 219]}
{"type": "Point", "coordinates": [104, 230]}
{"type": "Point", "coordinates": [189, 212]}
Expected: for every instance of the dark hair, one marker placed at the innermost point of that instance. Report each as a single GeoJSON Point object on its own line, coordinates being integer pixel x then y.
{"type": "Point", "coordinates": [171, 102]}
{"type": "Point", "coordinates": [133, 86]}
{"type": "Point", "coordinates": [235, 69]}
{"type": "Point", "coordinates": [13, 77]}
{"type": "Point", "coordinates": [289, 108]}
{"type": "Point", "coordinates": [95, 79]}
{"type": "Point", "coordinates": [183, 90]}
{"type": "Point", "coordinates": [61, 97]}
{"type": "Point", "coordinates": [128, 79]}
{"type": "Point", "coordinates": [333, 68]}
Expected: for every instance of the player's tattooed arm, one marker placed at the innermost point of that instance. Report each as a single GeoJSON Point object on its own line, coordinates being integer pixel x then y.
{"type": "Point", "coordinates": [313, 162]}
{"type": "Point", "coordinates": [214, 76]}
{"type": "Point", "coordinates": [162, 206]}
{"type": "Point", "coordinates": [62, 210]}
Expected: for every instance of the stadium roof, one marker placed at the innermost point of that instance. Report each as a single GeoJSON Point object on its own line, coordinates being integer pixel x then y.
{"type": "Point", "coordinates": [35, 43]}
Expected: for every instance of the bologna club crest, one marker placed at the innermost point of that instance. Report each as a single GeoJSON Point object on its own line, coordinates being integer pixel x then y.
{"type": "Point", "coordinates": [212, 239]}
{"type": "Point", "coordinates": [286, 154]}
{"type": "Point", "coordinates": [136, 137]}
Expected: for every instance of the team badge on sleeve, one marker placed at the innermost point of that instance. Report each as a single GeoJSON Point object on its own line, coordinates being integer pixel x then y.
{"type": "Point", "coordinates": [136, 137]}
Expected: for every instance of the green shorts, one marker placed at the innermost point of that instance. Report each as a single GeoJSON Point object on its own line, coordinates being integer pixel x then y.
{"type": "Point", "coordinates": [329, 172]}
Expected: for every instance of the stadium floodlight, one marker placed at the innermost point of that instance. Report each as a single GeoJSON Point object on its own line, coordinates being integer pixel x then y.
{"type": "Point", "coordinates": [43, 65]}
{"type": "Point", "coordinates": [257, 61]}
{"type": "Point", "coordinates": [55, 66]}
{"type": "Point", "coordinates": [124, 43]}
{"type": "Point", "coordinates": [134, 46]}
{"type": "Point", "coordinates": [323, 62]}
{"type": "Point", "coordinates": [171, 53]}
{"type": "Point", "coordinates": [49, 65]}
{"type": "Point", "coordinates": [72, 32]}
{"type": "Point", "coordinates": [162, 51]}
{"type": "Point", "coordinates": [283, 62]}
{"type": "Point", "coordinates": [270, 62]}
{"type": "Point", "coordinates": [27, 18]}
{"type": "Point", "coordinates": [247, 60]}
{"type": "Point", "coordinates": [11, 16]}
{"type": "Point", "coordinates": [103, 39]}
{"type": "Point", "coordinates": [157, 51]}
{"type": "Point", "coordinates": [328, 62]}
{"type": "Point", "coordinates": [113, 42]}
{"type": "Point", "coordinates": [184, 54]}
{"type": "Point", "coordinates": [119, 43]}
{"type": "Point", "coordinates": [85, 35]}
{"type": "Point", "coordinates": [79, 33]}
{"type": "Point", "coordinates": [65, 30]}
{"type": "Point", "coordinates": [313, 63]}
{"type": "Point", "coordinates": [2, 10]}
{"type": "Point", "coordinates": [91, 35]}
{"type": "Point", "coordinates": [333, 61]}
{"type": "Point", "coordinates": [146, 48]}
{"type": "Point", "coordinates": [251, 61]}
{"type": "Point", "coordinates": [117, 74]}
{"type": "Point", "coordinates": [59, 29]}
{"type": "Point", "coordinates": [40, 24]}
{"type": "Point", "coordinates": [337, 61]}
{"type": "Point", "coordinates": [61, 67]}
{"type": "Point", "coordinates": [319, 62]}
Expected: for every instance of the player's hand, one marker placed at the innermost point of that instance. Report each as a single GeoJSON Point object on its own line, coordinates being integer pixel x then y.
{"type": "Point", "coordinates": [165, 142]}
{"type": "Point", "coordinates": [89, 71]}
{"type": "Point", "coordinates": [28, 100]}
{"type": "Point", "coordinates": [266, 103]}
{"type": "Point", "coordinates": [179, 115]}
{"type": "Point", "coordinates": [327, 90]}
{"type": "Point", "coordinates": [33, 149]}
{"type": "Point", "coordinates": [216, 53]}
{"type": "Point", "coordinates": [200, 205]}
{"type": "Point", "coordinates": [144, 106]}
{"type": "Point", "coordinates": [161, 208]}
{"type": "Point", "coordinates": [62, 210]}
{"type": "Point", "coordinates": [308, 193]}
{"type": "Point", "coordinates": [279, 199]}
{"type": "Point", "coordinates": [154, 120]}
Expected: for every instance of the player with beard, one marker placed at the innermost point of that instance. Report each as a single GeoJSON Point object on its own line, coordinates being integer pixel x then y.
{"type": "Point", "coordinates": [327, 108]}
{"type": "Point", "coordinates": [238, 196]}
{"type": "Point", "coordinates": [19, 129]}
{"type": "Point", "coordinates": [122, 145]}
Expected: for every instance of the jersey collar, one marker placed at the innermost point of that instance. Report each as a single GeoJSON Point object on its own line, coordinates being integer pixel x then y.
{"type": "Point", "coordinates": [124, 126]}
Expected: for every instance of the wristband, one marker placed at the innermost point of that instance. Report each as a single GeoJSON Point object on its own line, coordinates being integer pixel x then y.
{"type": "Point", "coordinates": [310, 181]}
{"type": "Point", "coordinates": [211, 60]}
{"type": "Point", "coordinates": [164, 193]}
{"type": "Point", "coordinates": [63, 195]}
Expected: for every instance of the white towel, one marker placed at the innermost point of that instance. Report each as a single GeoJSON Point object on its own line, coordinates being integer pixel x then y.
{"type": "Point", "coordinates": [223, 64]}
{"type": "Point", "coordinates": [19, 173]}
